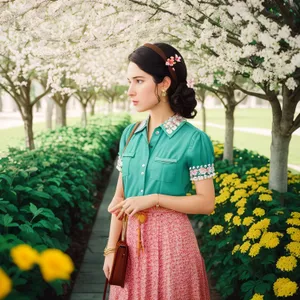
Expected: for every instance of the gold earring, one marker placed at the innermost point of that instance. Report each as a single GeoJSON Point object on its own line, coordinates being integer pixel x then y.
{"type": "Point", "coordinates": [163, 93]}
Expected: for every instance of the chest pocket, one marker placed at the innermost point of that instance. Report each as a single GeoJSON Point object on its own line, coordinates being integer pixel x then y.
{"type": "Point", "coordinates": [127, 159]}
{"type": "Point", "coordinates": [164, 169]}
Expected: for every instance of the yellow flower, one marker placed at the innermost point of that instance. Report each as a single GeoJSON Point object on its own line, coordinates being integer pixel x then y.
{"type": "Point", "coordinates": [228, 216]}
{"type": "Point", "coordinates": [241, 203]}
{"type": "Point", "coordinates": [295, 214]}
{"type": "Point", "coordinates": [241, 210]}
{"type": "Point", "coordinates": [245, 247]}
{"type": "Point", "coordinates": [295, 237]}
{"type": "Point", "coordinates": [270, 239]}
{"type": "Point", "coordinates": [248, 221]}
{"type": "Point", "coordinates": [254, 250]}
{"type": "Point", "coordinates": [262, 224]}
{"type": "Point", "coordinates": [216, 229]}
{"type": "Point", "coordinates": [223, 197]}
{"type": "Point", "coordinates": [24, 256]}
{"type": "Point", "coordinates": [265, 197]}
{"type": "Point", "coordinates": [292, 221]}
{"type": "Point", "coordinates": [257, 297]}
{"type": "Point", "coordinates": [253, 233]}
{"type": "Point", "coordinates": [236, 248]}
{"type": "Point", "coordinates": [292, 230]}
{"type": "Point", "coordinates": [237, 220]}
{"type": "Point", "coordinates": [55, 265]}
{"type": "Point", "coordinates": [5, 284]}
{"type": "Point", "coordinates": [286, 263]}
{"type": "Point", "coordinates": [259, 212]}
{"type": "Point", "coordinates": [294, 248]}
{"type": "Point", "coordinates": [284, 287]}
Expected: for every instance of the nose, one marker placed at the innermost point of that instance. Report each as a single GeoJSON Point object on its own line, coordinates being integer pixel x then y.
{"type": "Point", "coordinates": [130, 91]}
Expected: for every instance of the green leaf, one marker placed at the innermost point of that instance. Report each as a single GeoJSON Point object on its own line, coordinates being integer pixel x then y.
{"type": "Point", "coordinates": [262, 288]}
{"type": "Point", "coordinates": [58, 286]}
{"type": "Point", "coordinates": [26, 228]}
{"type": "Point", "coordinates": [21, 188]}
{"type": "Point", "coordinates": [23, 174]}
{"type": "Point", "coordinates": [270, 278]}
{"type": "Point", "coordinates": [33, 208]}
{"type": "Point", "coordinates": [38, 195]}
{"type": "Point", "coordinates": [6, 178]}
{"type": "Point", "coordinates": [43, 224]}
{"type": "Point", "coordinates": [248, 286]}
{"type": "Point", "coordinates": [6, 220]}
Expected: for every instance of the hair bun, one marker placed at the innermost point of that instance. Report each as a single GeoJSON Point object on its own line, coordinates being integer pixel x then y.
{"type": "Point", "coordinates": [184, 101]}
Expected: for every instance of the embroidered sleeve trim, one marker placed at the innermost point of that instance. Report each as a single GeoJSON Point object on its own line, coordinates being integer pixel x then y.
{"type": "Point", "coordinates": [202, 172]}
{"type": "Point", "coordinates": [119, 164]}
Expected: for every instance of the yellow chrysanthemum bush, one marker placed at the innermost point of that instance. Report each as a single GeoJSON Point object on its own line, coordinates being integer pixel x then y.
{"type": "Point", "coordinates": [53, 264]}
{"type": "Point", "coordinates": [251, 242]}
{"type": "Point", "coordinates": [45, 195]}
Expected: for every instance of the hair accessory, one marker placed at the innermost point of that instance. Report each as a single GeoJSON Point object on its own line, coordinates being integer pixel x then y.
{"type": "Point", "coordinates": [164, 57]}
{"type": "Point", "coordinates": [172, 61]}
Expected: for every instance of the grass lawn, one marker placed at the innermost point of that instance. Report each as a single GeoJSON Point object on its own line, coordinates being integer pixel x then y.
{"type": "Point", "coordinates": [253, 117]}
{"type": "Point", "coordinates": [14, 136]}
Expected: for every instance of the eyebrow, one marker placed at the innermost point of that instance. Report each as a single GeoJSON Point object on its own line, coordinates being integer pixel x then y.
{"type": "Point", "coordinates": [137, 77]}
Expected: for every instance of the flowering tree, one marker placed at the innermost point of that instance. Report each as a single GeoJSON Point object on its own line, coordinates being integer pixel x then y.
{"type": "Point", "coordinates": [255, 39]}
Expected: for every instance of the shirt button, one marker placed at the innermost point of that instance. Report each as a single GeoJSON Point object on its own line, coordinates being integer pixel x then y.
{"type": "Point", "coordinates": [143, 165]}
{"type": "Point", "coordinates": [157, 132]}
{"type": "Point", "coordinates": [142, 173]}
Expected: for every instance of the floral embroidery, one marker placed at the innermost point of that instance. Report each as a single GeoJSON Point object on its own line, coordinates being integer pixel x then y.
{"type": "Point", "coordinates": [119, 164]}
{"type": "Point", "coordinates": [202, 172]}
{"type": "Point", "coordinates": [173, 122]}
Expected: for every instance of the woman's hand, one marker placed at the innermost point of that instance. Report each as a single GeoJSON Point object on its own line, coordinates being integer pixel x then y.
{"type": "Point", "coordinates": [115, 200]}
{"type": "Point", "coordinates": [108, 262]}
{"type": "Point", "coordinates": [132, 205]}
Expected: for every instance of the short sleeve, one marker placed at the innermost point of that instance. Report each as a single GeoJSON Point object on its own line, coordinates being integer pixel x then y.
{"type": "Point", "coordinates": [122, 144]}
{"type": "Point", "coordinates": [201, 157]}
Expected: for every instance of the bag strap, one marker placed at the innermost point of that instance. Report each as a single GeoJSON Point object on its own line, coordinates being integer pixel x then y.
{"type": "Point", "coordinates": [125, 219]}
{"type": "Point", "coordinates": [124, 223]}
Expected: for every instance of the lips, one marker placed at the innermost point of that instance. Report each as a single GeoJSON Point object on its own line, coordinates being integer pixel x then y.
{"type": "Point", "coordinates": [135, 102]}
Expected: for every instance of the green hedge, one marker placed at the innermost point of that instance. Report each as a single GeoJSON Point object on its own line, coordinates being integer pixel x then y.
{"type": "Point", "coordinates": [46, 192]}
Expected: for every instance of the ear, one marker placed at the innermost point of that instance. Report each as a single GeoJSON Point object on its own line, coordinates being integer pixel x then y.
{"type": "Point", "coordinates": [165, 84]}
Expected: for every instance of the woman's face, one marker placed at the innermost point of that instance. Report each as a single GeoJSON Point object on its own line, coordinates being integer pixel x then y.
{"type": "Point", "coordinates": [142, 89]}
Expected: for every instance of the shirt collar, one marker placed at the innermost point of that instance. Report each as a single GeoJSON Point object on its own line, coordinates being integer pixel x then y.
{"type": "Point", "coordinates": [170, 126]}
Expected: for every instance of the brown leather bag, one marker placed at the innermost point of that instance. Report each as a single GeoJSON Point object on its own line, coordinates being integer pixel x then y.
{"type": "Point", "coordinates": [118, 271]}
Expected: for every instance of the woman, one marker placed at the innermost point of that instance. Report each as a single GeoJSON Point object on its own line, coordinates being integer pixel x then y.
{"type": "Point", "coordinates": [164, 156]}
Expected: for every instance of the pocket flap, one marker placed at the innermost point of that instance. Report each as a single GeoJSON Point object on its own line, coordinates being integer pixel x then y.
{"type": "Point", "coordinates": [166, 160]}
{"type": "Point", "coordinates": [128, 154]}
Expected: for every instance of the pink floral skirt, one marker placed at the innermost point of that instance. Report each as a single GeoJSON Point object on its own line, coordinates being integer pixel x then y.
{"type": "Point", "coordinates": [170, 267]}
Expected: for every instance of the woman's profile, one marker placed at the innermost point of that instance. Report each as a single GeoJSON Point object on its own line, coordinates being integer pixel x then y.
{"type": "Point", "coordinates": [165, 155]}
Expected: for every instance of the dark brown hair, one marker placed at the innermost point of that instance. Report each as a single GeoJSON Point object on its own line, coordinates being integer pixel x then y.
{"type": "Point", "coordinates": [181, 97]}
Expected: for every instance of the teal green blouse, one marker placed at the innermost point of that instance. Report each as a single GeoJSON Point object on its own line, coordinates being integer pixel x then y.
{"type": "Point", "coordinates": [177, 154]}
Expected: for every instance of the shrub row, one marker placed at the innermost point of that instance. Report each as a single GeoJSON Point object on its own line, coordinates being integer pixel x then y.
{"type": "Point", "coordinates": [46, 192]}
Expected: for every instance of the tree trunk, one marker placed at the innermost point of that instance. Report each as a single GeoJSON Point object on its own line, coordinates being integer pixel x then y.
{"type": "Point", "coordinates": [203, 109]}
{"type": "Point", "coordinates": [229, 133]}
{"type": "Point", "coordinates": [1, 105]}
{"type": "Point", "coordinates": [83, 116]}
{"type": "Point", "coordinates": [279, 162]}
{"type": "Point", "coordinates": [38, 106]}
{"type": "Point", "coordinates": [49, 113]}
{"type": "Point", "coordinates": [61, 114]}
{"type": "Point", "coordinates": [27, 118]}
{"type": "Point", "coordinates": [93, 108]}
{"type": "Point", "coordinates": [110, 107]}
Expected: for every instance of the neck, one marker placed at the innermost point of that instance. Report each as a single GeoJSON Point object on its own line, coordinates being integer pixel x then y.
{"type": "Point", "coordinates": [159, 117]}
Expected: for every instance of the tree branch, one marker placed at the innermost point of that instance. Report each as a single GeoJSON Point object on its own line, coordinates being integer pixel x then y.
{"type": "Point", "coordinates": [296, 124]}
{"type": "Point", "coordinates": [40, 96]}
{"type": "Point", "coordinates": [258, 95]}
